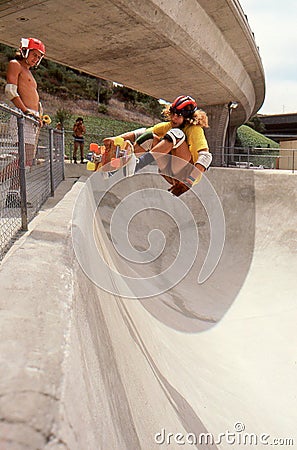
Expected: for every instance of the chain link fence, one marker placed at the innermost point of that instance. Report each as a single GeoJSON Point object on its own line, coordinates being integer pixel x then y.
{"type": "Point", "coordinates": [31, 168]}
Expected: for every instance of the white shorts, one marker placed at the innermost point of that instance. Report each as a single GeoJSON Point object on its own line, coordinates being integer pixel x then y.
{"type": "Point", "coordinates": [30, 130]}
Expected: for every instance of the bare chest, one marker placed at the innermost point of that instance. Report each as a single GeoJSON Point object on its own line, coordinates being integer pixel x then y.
{"type": "Point", "coordinates": [27, 80]}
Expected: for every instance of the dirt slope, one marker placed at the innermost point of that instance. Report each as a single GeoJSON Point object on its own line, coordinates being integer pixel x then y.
{"type": "Point", "coordinates": [116, 109]}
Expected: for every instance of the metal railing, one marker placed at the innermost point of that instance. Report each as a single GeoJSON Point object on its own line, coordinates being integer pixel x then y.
{"type": "Point", "coordinates": [258, 158]}
{"type": "Point", "coordinates": [31, 168]}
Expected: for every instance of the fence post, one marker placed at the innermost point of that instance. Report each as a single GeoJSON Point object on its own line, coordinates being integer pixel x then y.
{"type": "Point", "coordinates": [51, 155]}
{"type": "Point", "coordinates": [293, 168]}
{"type": "Point", "coordinates": [248, 158]}
{"type": "Point", "coordinates": [22, 169]}
{"type": "Point", "coordinates": [63, 153]}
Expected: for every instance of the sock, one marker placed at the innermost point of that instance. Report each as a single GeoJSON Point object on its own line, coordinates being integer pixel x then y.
{"type": "Point", "coordinates": [144, 160]}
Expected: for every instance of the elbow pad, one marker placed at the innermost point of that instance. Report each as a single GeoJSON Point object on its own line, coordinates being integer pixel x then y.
{"type": "Point", "coordinates": [11, 91]}
{"type": "Point", "coordinates": [204, 158]}
{"type": "Point", "coordinates": [145, 141]}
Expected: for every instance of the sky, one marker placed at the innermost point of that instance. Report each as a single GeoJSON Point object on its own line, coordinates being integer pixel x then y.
{"type": "Point", "coordinates": [274, 24]}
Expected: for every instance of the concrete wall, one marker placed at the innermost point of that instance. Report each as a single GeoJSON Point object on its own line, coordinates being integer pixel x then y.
{"type": "Point", "coordinates": [288, 155]}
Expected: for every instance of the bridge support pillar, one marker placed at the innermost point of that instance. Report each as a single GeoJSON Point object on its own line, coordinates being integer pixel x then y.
{"type": "Point", "coordinates": [217, 131]}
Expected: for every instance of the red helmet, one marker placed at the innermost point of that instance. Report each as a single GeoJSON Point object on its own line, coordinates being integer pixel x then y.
{"type": "Point", "coordinates": [184, 105]}
{"type": "Point", "coordinates": [28, 44]}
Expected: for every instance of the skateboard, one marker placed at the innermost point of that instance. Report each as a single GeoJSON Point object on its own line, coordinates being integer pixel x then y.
{"type": "Point", "coordinates": [94, 157]}
{"type": "Point", "coordinates": [110, 158]}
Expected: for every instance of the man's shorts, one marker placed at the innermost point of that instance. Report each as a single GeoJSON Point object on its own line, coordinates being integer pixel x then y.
{"type": "Point", "coordinates": [30, 131]}
{"type": "Point", "coordinates": [79, 139]}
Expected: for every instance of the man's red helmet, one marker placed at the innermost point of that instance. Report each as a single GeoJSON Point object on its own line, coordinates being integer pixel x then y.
{"type": "Point", "coordinates": [28, 44]}
{"type": "Point", "coordinates": [184, 105]}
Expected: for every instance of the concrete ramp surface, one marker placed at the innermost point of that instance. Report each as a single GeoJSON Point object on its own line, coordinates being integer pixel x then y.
{"type": "Point", "coordinates": [181, 336]}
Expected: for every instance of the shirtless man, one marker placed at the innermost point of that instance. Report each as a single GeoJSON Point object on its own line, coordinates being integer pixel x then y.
{"type": "Point", "coordinates": [78, 133]}
{"type": "Point", "coordinates": [21, 89]}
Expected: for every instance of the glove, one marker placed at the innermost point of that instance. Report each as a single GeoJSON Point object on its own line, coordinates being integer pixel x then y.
{"type": "Point", "coordinates": [178, 188]}
{"type": "Point", "coordinates": [119, 153]}
{"type": "Point", "coordinates": [109, 151]}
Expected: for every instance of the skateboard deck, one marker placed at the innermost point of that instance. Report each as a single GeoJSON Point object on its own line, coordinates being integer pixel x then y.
{"type": "Point", "coordinates": [111, 157]}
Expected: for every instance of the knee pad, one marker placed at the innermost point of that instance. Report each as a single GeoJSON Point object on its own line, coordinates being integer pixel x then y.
{"type": "Point", "coordinates": [145, 140]}
{"type": "Point", "coordinates": [204, 158]}
{"type": "Point", "coordinates": [138, 132]}
{"type": "Point", "coordinates": [176, 136]}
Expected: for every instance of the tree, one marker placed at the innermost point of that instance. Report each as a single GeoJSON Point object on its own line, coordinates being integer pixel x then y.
{"type": "Point", "coordinates": [256, 124]}
{"type": "Point", "coordinates": [63, 116]}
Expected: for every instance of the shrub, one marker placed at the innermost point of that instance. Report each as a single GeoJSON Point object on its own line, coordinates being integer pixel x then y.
{"type": "Point", "coordinates": [63, 116]}
{"type": "Point", "coordinates": [102, 109]}
{"type": "Point", "coordinates": [247, 137]}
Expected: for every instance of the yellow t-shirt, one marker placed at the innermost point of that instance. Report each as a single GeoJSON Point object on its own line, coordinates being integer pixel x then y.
{"type": "Point", "coordinates": [195, 137]}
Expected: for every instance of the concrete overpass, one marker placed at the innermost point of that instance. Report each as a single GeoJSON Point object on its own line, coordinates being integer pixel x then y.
{"type": "Point", "coordinates": [280, 127]}
{"type": "Point", "coordinates": [203, 48]}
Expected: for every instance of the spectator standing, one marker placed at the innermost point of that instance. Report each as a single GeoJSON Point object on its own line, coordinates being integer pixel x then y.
{"type": "Point", "coordinates": [79, 131]}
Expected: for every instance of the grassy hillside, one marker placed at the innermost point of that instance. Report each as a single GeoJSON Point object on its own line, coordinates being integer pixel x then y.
{"type": "Point", "coordinates": [97, 128]}
{"type": "Point", "coordinates": [247, 137]}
